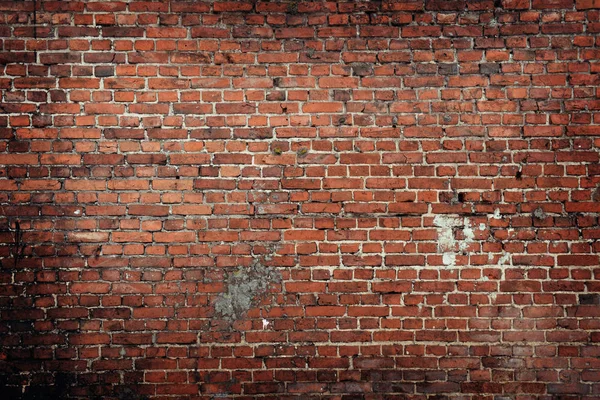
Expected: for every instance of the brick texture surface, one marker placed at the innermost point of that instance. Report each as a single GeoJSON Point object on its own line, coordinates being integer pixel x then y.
{"type": "Point", "coordinates": [344, 200]}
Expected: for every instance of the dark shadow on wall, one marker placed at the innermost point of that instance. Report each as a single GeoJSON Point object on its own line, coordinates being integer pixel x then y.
{"type": "Point", "coordinates": [60, 385]}
{"type": "Point", "coordinates": [28, 370]}
{"type": "Point", "coordinates": [55, 386]}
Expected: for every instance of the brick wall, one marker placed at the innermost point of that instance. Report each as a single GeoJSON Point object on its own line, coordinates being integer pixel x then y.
{"type": "Point", "coordinates": [335, 200]}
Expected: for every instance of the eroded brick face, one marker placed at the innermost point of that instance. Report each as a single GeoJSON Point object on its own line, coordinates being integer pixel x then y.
{"type": "Point", "coordinates": [294, 200]}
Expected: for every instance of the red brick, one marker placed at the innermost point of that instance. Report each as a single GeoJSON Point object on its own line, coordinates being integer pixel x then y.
{"type": "Point", "coordinates": [151, 152]}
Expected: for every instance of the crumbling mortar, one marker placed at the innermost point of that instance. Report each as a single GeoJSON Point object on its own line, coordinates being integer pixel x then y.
{"type": "Point", "coordinates": [246, 287]}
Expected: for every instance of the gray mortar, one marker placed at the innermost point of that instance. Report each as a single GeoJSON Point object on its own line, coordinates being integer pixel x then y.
{"type": "Point", "coordinates": [246, 286]}
{"type": "Point", "coordinates": [539, 213]}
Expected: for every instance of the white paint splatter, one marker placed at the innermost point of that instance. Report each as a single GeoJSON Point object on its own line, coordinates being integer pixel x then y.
{"type": "Point", "coordinates": [265, 323]}
{"type": "Point", "coordinates": [482, 227]}
{"type": "Point", "coordinates": [497, 213]}
{"type": "Point", "coordinates": [77, 212]}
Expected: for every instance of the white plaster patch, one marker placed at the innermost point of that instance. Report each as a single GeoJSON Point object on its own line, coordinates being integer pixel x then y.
{"type": "Point", "coordinates": [447, 243]}
{"type": "Point", "coordinates": [505, 257]}
{"type": "Point", "coordinates": [469, 236]}
{"type": "Point", "coordinates": [446, 223]}
{"type": "Point", "coordinates": [449, 258]}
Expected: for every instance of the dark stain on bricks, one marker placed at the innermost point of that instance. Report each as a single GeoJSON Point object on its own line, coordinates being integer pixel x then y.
{"type": "Point", "coordinates": [588, 299]}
